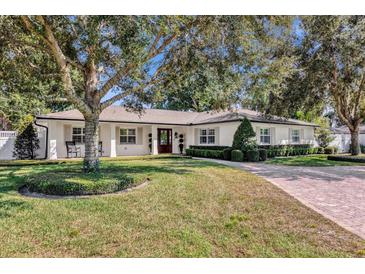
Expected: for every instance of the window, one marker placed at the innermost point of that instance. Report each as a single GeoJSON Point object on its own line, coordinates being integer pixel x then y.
{"type": "Point", "coordinates": [295, 136]}
{"type": "Point", "coordinates": [207, 136]}
{"type": "Point", "coordinates": [265, 137]}
{"type": "Point", "coordinates": [127, 135]}
{"type": "Point", "coordinates": [78, 135]}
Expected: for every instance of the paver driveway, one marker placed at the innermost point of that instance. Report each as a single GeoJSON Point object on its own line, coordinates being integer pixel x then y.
{"type": "Point", "coordinates": [336, 192]}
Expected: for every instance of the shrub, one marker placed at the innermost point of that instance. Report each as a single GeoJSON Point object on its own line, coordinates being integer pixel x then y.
{"type": "Point", "coordinates": [227, 153]}
{"type": "Point", "coordinates": [26, 144]}
{"type": "Point", "coordinates": [243, 137]}
{"type": "Point", "coordinates": [320, 150]}
{"type": "Point", "coordinates": [217, 154]}
{"type": "Point", "coordinates": [329, 150]}
{"type": "Point", "coordinates": [73, 183]}
{"type": "Point", "coordinates": [209, 147]}
{"type": "Point", "coordinates": [237, 155]}
{"type": "Point", "coordinates": [253, 155]}
{"type": "Point", "coordinates": [347, 158]}
{"type": "Point", "coordinates": [263, 154]}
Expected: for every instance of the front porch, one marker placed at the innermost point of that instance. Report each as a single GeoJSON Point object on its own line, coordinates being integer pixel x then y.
{"type": "Point", "coordinates": [118, 139]}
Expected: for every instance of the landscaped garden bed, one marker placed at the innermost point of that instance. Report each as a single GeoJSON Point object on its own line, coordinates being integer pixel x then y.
{"type": "Point", "coordinates": [64, 183]}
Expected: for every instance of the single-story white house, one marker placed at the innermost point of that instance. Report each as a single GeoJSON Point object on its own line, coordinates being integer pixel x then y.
{"type": "Point", "coordinates": [343, 138]}
{"type": "Point", "coordinates": [157, 131]}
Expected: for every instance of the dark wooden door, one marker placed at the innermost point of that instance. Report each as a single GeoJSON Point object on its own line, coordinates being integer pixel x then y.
{"type": "Point", "coordinates": [164, 140]}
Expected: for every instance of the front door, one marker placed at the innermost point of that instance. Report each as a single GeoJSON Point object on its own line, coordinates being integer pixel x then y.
{"type": "Point", "coordinates": [164, 140]}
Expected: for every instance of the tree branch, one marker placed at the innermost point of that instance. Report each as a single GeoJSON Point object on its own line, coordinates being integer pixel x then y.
{"type": "Point", "coordinates": [61, 60]}
{"type": "Point", "coordinates": [153, 52]}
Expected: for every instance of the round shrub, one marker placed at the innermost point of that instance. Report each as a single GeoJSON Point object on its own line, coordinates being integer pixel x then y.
{"type": "Point", "coordinates": [237, 155]}
{"type": "Point", "coordinates": [77, 183]}
{"type": "Point", "coordinates": [227, 153]}
{"type": "Point", "coordinates": [253, 155]}
{"type": "Point", "coordinates": [329, 150]}
{"type": "Point", "coordinates": [262, 154]}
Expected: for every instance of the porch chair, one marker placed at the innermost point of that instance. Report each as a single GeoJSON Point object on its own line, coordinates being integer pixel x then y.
{"type": "Point", "coordinates": [71, 148]}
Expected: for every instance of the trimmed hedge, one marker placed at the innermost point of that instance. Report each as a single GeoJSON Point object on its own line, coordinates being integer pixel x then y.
{"type": "Point", "coordinates": [237, 155]}
{"type": "Point", "coordinates": [263, 154]}
{"type": "Point", "coordinates": [347, 158]}
{"type": "Point", "coordinates": [320, 150]}
{"type": "Point", "coordinates": [288, 151]}
{"type": "Point", "coordinates": [253, 155]}
{"type": "Point", "coordinates": [284, 146]}
{"type": "Point", "coordinates": [216, 154]}
{"type": "Point", "coordinates": [227, 153]}
{"type": "Point", "coordinates": [75, 183]}
{"type": "Point", "coordinates": [209, 147]}
{"type": "Point", "coordinates": [329, 150]}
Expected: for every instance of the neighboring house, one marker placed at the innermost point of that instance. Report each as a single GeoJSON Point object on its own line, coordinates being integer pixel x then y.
{"type": "Point", "coordinates": [127, 133]}
{"type": "Point", "coordinates": [343, 138]}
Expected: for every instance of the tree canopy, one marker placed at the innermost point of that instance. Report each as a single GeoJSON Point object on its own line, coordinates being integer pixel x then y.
{"type": "Point", "coordinates": [326, 70]}
{"type": "Point", "coordinates": [96, 61]}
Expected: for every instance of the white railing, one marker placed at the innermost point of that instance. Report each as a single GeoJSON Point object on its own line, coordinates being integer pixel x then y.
{"type": "Point", "coordinates": [7, 134]}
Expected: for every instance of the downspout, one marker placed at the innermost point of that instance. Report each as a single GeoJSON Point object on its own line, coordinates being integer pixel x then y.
{"type": "Point", "coordinates": [46, 153]}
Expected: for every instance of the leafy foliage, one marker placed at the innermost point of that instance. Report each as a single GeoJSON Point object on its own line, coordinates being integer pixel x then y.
{"type": "Point", "coordinates": [26, 144]}
{"type": "Point", "coordinates": [252, 155]}
{"type": "Point", "coordinates": [329, 70]}
{"type": "Point", "coordinates": [243, 137]}
{"type": "Point", "coordinates": [236, 155]}
{"type": "Point", "coordinates": [323, 134]}
{"type": "Point", "coordinates": [96, 61]}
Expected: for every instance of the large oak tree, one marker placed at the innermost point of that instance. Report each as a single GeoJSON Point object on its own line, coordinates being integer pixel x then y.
{"type": "Point", "coordinates": [326, 68]}
{"type": "Point", "coordinates": [96, 61]}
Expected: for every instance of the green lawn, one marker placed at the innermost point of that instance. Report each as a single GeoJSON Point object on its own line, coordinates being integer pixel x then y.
{"type": "Point", "coordinates": [309, 160]}
{"type": "Point", "coordinates": [191, 208]}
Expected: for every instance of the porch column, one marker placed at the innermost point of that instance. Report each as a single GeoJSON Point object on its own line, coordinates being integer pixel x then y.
{"type": "Point", "coordinates": [154, 140]}
{"type": "Point", "coordinates": [113, 143]}
{"type": "Point", "coordinates": [53, 132]}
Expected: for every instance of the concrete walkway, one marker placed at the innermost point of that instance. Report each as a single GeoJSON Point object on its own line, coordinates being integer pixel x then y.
{"type": "Point", "coordinates": [338, 192]}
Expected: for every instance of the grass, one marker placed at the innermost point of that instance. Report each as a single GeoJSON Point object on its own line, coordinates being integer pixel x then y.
{"type": "Point", "coordinates": [309, 160]}
{"type": "Point", "coordinates": [191, 208]}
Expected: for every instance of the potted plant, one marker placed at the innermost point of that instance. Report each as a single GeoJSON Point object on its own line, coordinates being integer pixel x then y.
{"type": "Point", "coordinates": [150, 141]}
{"type": "Point", "coordinates": [181, 143]}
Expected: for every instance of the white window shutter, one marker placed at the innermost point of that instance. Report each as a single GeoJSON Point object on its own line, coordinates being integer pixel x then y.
{"type": "Point", "coordinates": [258, 135]}
{"type": "Point", "coordinates": [196, 136]}
{"type": "Point", "coordinates": [216, 131]}
{"type": "Point", "coordinates": [139, 135]}
{"type": "Point", "coordinates": [117, 135]}
{"type": "Point", "coordinates": [272, 136]}
{"type": "Point", "coordinates": [289, 136]}
{"type": "Point", "coordinates": [67, 131]}
{"type": "Point", "coordinates": [301, 136]}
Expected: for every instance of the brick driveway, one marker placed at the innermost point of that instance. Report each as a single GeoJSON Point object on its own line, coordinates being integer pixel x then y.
{"type": "Point", "coordinates": [337, 193]}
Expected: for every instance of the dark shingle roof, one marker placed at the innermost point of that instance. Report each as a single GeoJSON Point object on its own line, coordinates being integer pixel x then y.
{"type": "Point", "coordinates": [172, 117]}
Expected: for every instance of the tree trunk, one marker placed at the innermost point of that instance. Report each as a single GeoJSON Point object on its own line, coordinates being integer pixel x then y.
{"type": "Point", "coordinates": [355, 145]}
{"type": "Point", "coordinates": [91, 159]}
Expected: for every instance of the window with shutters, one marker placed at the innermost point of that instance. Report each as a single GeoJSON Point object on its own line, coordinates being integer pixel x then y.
{"type": "Point", "coordinates": [78, 135]}
{"type": "Point", "coordinates": [295, 136]}
{"type": "Point", "coordinates": [207, 136]}
{"type": "Point", "coordinates": [128, 136]}
{"type": "Point", "coordinates": [265, 136]}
